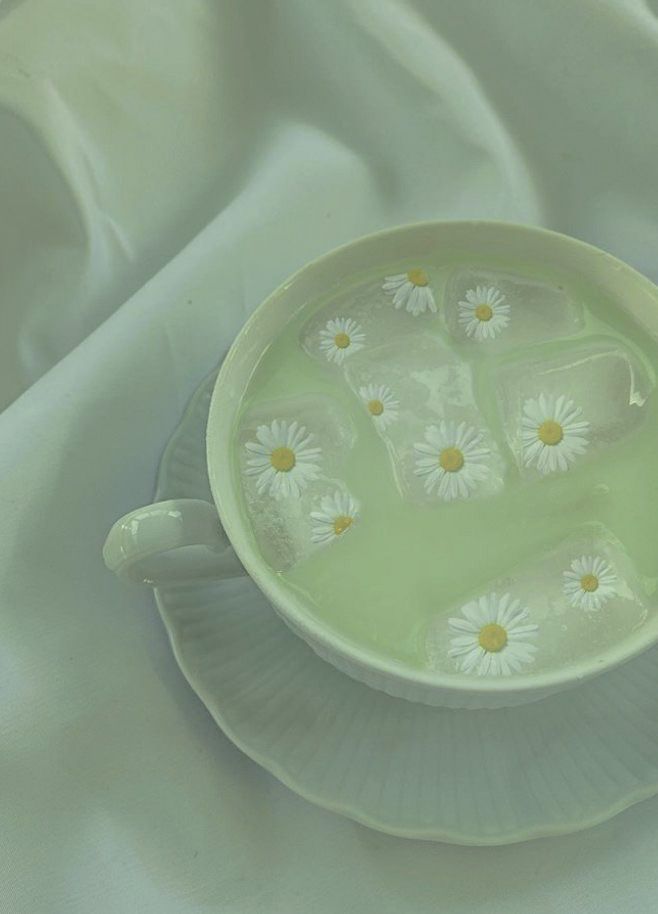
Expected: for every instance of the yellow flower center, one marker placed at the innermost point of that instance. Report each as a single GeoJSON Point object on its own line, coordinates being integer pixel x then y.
{"type": "Point", "coordinates": [484, 312]}
{"type": "Point", "coordinates": [589, 583]}
{"type": "Point", "coordinates": [550, 432]}
{"type": "Point", "coordinates": [375, 407]}
{"type": "Point", "coordinates": [342, 340]}
{"type": "Point", "coordinates": [342, 523]}
{"type": "Point", "coordinates": [282, 459]}
{"type": "Point", "coordinates": [451, 459]}
{"type": "Point", "coordinates": [418, 277]}
{"type": "Point", "coordinates": [492, 637]}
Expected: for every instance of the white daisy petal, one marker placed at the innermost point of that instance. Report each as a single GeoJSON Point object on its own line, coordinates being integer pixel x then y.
{"type": "Point", "coordinates": [461, 644]}
{"type": "Point", "coordinates": [483, 313]}
{"type": "Point", "coordinates": [340, 338]}
{"type": "Point", "coordinates": [590, 582]}
{"type": "Point", "coordinates": [394, 282]}
{"type": "Point", "coordinates": [413, 301]}
{"type": "Point", "coordinates": [452, 459]}
{"type": "Point", "coordinates": [256, 447]}
{"type": "Point", "coordinates": [462, 626]}
{"type": "Point", "coordinates": [476, 613]}
{"type": "Point", "coordinates": [446, 489]}
{"type": "Point", "coordinates": [411, 291]}
{"type": "Point", "coordinates": [256, 465]}
{"type": "Point", "coordinates": [552, 434]}
{"type": "Point", "coordinates": [381, 404]}
{"type": "Point", "coordinates": [265, 477]}
{"type": "Point", "coordinates": [471, 660]}
{"type": "Point", "coordinates": [432, 481]}
{"type": "Point", "coordinates": [265, 437]}
{"type": "Point", "coordinates": [335, 516]}
{"type": "Point", "coordinates": [507, 666]}
{"type": "Point", "coordinates": [427, 300]}
{"type": "Point", "coordinates": [288, 434]}
{"type": "Point", "coordinates": [489, 604]}
{"type": "Point", "coordinates": [276, 485]}
{"type": "Point", "coordinates": [509, 610]}
{"type": "Point", "coordinates": [518, 632]}
{"type": "Point", "coordinates": [401, 296]}
{"type": "Point", "coordinates": [425, 464]}
{"type": "Point", "coordinates": [434, 437]}
{"type": "Point", "coordinates": [281, 460]}
{"type": "Point", "coordinates": [307, 453]}
{"type": "Point", "coordinates": [494, 637]}
{"type": "Point", "coordinates": [483, 667]}
{"type": "Point", "coordinates": [462, 486]}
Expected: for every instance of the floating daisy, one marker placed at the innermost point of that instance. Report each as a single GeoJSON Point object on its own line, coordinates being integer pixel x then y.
{"type": "Point", "coordinates": [452, 458]}
{"type": "Point", "coordinates": [380, 403]}
{"type": "Point", "coordinates": [281, 459]}
{"type": "Point", "coordinates": [341, 337]}
{"type": "Point", "coordinates": [484, 314]}
{"type": "Point", "coordinates": [590, 583]}
{"type": "Point", "coordinates": [493, 638]}
{"type": "Point", "coordinates": [335, 517]}
{"type": "Point", "coordinates": [411, 290]}
{"type": "Point", "coordinates": [552, 433]}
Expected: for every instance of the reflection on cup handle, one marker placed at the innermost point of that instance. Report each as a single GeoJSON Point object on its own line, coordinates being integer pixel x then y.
{"type": "Point", "coordinates": [176, 540]}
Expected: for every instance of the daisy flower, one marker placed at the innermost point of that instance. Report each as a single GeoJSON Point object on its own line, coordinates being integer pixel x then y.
{"type": "Point", "coordinates": [380, 403]}
{"type": "Point", "coordinates": [484, 314]}
{"type": "Point", "coordinates": [493, 637]}
{"type": "Point", "coordinates": [336, 515]}
{"type": "Point", "coordinates": [452, 458]}
{"type": "Point", "coordinates": [281, 459]}
{"type": "Point", "coordinates": [341, 337]}
{"type": "Point", "coordinates": [590, 583]}
{"type": "Point", "coordinates": [552, 433]}
{"type": "Point", "coordinates": [411, 290]}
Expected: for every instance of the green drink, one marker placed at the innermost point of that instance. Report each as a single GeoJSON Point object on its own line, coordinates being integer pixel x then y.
{"type": "Point", "coordinates": [398, 557]}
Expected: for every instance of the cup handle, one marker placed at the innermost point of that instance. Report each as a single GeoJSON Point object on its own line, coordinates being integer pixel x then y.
{"type": "Point", "coordinates": [175, 540]}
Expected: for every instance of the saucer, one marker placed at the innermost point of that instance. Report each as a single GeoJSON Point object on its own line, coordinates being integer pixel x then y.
{"type": "Point", "coordinates": [465, 777]}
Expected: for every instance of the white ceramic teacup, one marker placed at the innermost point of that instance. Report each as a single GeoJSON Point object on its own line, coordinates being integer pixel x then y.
{"type": "Point", "coordinates": [184, 538]}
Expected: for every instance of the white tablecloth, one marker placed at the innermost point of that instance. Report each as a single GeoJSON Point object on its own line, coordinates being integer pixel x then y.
{"type": "Point", "coordinates": [162, 167]}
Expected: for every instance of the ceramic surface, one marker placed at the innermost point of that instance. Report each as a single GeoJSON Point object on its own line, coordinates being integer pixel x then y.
{"type": "Point", "coordinates": [621, 284]}
{"type": "Point", "coordinates": [135, 543]}
{"type": "Point", "coordinates": [465, 777]}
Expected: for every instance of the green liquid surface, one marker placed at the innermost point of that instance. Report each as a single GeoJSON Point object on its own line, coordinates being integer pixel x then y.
{"type": "Point", "coordinates": [405, 562]}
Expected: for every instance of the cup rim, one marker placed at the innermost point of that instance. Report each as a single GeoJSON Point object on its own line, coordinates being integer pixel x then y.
{"type": "Point", "coordinates": [243, 357]}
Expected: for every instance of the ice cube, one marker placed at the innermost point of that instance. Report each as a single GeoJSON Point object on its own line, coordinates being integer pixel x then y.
{"type": "Point", "coordinates": [495, 311]}
{"type": "Point", "coordinates": [584, 596]}
{"type": "Point", "coordinates": [291, 454]}
{"type": "Point", "coordinates": [368, 314]}
{"type": "Point", "coordinates": [558, 409]}
{"type": "Point", "coordinates": [419, 397]}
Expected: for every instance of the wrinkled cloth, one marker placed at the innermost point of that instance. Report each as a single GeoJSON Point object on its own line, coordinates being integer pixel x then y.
{"type": "Point", "coordinates": [163, 167]}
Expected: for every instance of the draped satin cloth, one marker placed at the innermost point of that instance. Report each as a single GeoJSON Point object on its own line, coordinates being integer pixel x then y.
{"type": "Point", "coordinates": [162, 167]}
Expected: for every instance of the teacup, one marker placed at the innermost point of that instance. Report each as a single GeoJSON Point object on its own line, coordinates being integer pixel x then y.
{"type": "Point", "coordinates": [185, 538]}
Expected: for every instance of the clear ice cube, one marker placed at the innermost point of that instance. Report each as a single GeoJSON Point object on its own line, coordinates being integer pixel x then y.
{"type": "Point", "coordinates": [578, 614]}
{"type": "Point", "coordinates": [292, 452]}
{"type": "Point", "coordinates": [558, 409]}
{"type": "Point", "coordinates": [494, 311]}
{"type": "Point", "coordinates": [364, 316]}
{"type": "Point", "coordinates": [419, 398]}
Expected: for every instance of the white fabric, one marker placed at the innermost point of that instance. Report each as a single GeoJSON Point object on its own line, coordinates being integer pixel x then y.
{"type": "Point", "coordinates": [164, 165]}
